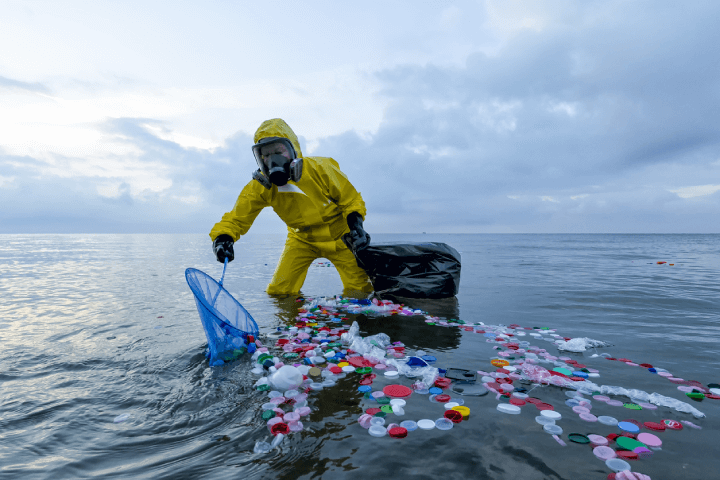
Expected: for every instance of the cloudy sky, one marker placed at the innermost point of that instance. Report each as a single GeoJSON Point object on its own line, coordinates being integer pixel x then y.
{"type": "Point", "coordinates": [448, 116]}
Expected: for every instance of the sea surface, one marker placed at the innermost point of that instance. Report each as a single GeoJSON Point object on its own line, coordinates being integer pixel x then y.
{"type": "Point", "coordinates": [93, 327]}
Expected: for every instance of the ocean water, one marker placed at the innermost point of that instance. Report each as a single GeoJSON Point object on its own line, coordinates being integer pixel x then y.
{"type": "Point", "coordinates": [97, 326]}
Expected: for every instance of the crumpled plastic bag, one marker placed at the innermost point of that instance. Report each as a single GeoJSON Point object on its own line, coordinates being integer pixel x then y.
{"type": "Point", "coordinates": [427, 373]}
{"type": "Point", "coordinates": [642, 396]}
{"type": "Point", "coordinates": [581, 344]}
{"type": "Point", "coordinates": [538, 374]}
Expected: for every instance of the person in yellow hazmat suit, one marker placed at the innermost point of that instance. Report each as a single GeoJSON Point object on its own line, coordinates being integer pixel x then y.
{"type": "Point", "coordinates": [316, 201]}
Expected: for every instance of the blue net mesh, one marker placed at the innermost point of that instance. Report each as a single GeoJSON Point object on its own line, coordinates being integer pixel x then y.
{"type": "Point", "coordinates": [227, 324]}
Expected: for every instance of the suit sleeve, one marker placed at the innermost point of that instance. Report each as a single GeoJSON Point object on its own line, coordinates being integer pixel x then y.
{"type": "Point", "coordinates": [342, 192]}
{"type": "Point", "coordinates": [236, 223]}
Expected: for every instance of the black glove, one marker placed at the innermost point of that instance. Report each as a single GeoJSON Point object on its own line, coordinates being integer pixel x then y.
{"type": "Point", "coordinates": [358, 238]}
{"type": "Point", "coordinates": [223, 248]}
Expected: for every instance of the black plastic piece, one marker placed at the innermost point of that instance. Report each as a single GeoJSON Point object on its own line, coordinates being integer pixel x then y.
{"type": "Point", "coordinates": [461, 375]}
{"type": "Point", "coordinates": [414, 270]}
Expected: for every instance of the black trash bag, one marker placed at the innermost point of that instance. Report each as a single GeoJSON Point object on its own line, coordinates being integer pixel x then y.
{"type": "Point", "coordinates": [413, 270]}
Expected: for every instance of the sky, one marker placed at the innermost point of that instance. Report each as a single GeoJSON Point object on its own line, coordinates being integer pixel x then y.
{"type": "Point", "coordinates": [448, 116]}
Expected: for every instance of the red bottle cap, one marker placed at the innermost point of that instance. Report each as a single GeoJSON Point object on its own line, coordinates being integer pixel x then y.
{"type": "Point", "coordinates": [280, 427]}
{"type": "Point", "coordinates": [453, 415]}
{"type": "Point", "coordinates": [658, 427]}
{"type": "Point", "coordinates": [399, 391]}
{"type": "Point", "coordinates": [626, 454]}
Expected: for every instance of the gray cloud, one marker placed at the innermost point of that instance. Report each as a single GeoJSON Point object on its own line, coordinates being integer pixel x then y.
{"type": "Point", "coordinates": [585, 126]}
{"type": "Point", "coordinates": [599, 113]}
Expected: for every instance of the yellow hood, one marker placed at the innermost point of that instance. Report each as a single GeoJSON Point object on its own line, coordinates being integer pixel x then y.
{"type": "Point", "coordinates": [277, 127]}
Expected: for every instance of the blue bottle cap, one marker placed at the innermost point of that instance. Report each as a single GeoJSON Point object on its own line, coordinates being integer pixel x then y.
{"type": "Point", "coordinates": [628, 427]}
{"type": "Point", "coordinates": [364, 388]}
{"type": "Point", "coordinates": [409, 425]}
{"type": "Point", "coordinates": [435, 391]}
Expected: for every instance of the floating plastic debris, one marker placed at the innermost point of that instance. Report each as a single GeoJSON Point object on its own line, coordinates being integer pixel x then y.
{"type": "Point", "coordinates": [121, 418]}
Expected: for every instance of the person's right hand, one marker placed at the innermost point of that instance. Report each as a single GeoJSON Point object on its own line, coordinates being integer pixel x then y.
{"type": "Point", "coordinates": [223, 248]}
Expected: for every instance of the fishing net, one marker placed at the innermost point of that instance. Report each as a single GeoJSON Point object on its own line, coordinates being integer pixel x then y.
{"type": "Point", "coordinates": [226, 323]}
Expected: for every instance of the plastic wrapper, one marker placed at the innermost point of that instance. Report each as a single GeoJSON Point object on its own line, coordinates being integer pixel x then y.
{"type": "Point", "coordinates": [538, 374]}
{"type": "Point", "coordinates": [580, 344]}
{"type": "Point", "coordinates": [414, 270]}
{"type": "Point", "coordinates": [427, 373]}
{"type": "Point", "coordinates": [642, 396]}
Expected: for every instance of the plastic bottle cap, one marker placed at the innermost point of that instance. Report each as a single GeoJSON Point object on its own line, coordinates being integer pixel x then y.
{"type": "Point", "coordinates": [604, 453]}
{"type": "Point", "coordinates": [643, 452]}
{"type": "Point", "coordinates": [649, 439]}
{"type": "Point", "coordinates": [443, 424]}
{"type": "Point", "coordinates": [398, 432]}
{"type": "Point", "coordinates": [617, 465]}
{"type": "Point", "coordinates": [628, 427]}
{"type": "Point", "coordinates": [605, 420]}
{"type": "Point", "coordinates": [627, 454]}
{"type": "Point", "coordinates": [391, 373]}
{"type": "Point", "coordinates": [377, 421]}
{"type": "Point", "coordinates": [426, 424]}
{"type": "Point", "coordinates": [615, 403]}
{"type": "Point", "coordinates": [409, 425]}
{"type": "Point", "coordinates": [453, 415]}
{"type": "Point", "coordinates": [553, 429]}
{"type": "Point", "coordinates": [464, 411]}
{"type": "Point", "coordinates": [658, 427]}
{"type": "Point", "coordinates": [399, 391]}
{"type": "Point", "coordinates": [578, 409]}
{"type": "Point", "coordinates": [588, 417]}
{"type": "Point", "coordinates": [507, 408]}
{"type": "Point", "coordinates": [386, 409]}
{"type": "Point", "coordinates": [628, 443]}
{"type": "Point", "coordinates": [450, 405]}
{"type": "Point", "coordinates": [597, 440]}
{"type": "Point", "coordinates": [398, 401]}
{"type": "Point", "coordinates": [442, 398]}
{"type": "Point", "coordinates": [551, 414]}
{"type": "Point", "coordinates": [377, 430]}
{"type": "Point", "coordinates": [280, 427]}
{"type": "Point", "coordinates": [544, 420]}
{"type": "Point", "coordinates": [348, 369]}
{"type": "Point", "coordinates": [578, 438]}
{"type": "Point", "coordinates": [364, 388]}
{"type": "Point", "coordinates": [672, 424]}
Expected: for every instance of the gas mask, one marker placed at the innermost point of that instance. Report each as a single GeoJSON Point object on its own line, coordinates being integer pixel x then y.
{"type": "Point", "coordinates": [277, 161]}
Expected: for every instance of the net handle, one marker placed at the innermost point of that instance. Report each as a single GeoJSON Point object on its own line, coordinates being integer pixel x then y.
{"type": "Point", "coordinates": [221, 282]}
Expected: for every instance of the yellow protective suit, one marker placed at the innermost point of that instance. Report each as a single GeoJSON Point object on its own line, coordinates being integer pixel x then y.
{"type": "Point", "coordinates": [315, 210]}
